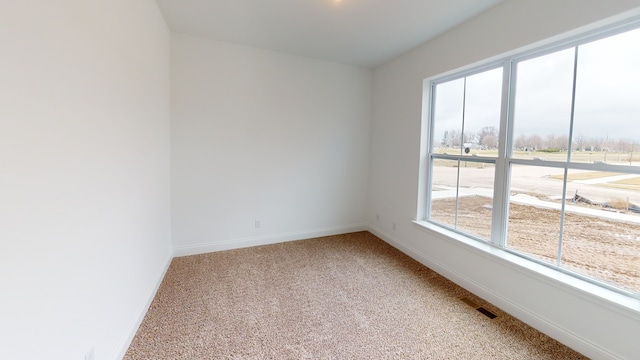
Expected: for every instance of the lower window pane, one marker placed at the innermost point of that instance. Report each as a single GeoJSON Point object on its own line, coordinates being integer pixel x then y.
{"type": "Point", "coordinates": [534, 211]}
{"type": "Point", "coordinates": [475, 201]}
{"type": "Point", "coordinates": [443, 192]}
{"type": "Point", "coordinates": [462, 196]}
{"type": "Point", "coordinates": [601, 236]}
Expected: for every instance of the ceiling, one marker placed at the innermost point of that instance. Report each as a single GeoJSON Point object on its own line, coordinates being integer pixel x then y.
{"type": "Point", "coordinates": [357, 32]}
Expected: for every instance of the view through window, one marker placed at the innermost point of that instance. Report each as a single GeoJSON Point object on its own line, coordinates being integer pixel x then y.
{"type": "Point", "coordinates": [540, 155]}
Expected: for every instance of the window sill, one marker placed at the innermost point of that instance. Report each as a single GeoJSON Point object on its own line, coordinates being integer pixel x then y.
{"type": "Point", "coordinates": [587, 290]}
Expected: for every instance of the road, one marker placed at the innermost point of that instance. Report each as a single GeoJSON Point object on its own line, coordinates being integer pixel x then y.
{"type": "Point", "coordinates": [533, 180]}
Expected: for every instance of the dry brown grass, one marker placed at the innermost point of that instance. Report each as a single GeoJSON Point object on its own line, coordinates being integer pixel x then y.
{"type": "Point", "coordinates": [633, 181]}
{"type": "Point", "coordinates": [603, 249]}
{"type": "Point", "coordinates": [619, 204]}
{"type": "Point", "coordinates": [585, 175]}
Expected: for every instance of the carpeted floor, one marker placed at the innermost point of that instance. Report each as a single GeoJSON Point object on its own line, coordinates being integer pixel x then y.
{"type": "Point", "coordinates": [349, 296]}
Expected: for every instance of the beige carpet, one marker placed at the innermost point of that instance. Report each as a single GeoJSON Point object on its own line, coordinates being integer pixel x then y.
{"type": "Point", "coordinates": [349, 296]}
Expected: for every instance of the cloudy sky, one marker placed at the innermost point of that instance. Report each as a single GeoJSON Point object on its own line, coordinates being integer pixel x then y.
{"type": "Point", "coordinates": [607, 94]}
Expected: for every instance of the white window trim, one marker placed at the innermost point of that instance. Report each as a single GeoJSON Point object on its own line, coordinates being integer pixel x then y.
{"type": "Point", "coordinates": [495, 246]}
{"type": "Point", "coordinates": [613, 300]}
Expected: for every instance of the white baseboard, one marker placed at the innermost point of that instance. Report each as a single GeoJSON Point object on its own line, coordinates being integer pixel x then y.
{"type": "Point", "coordinates": [126, 341]}
{"type": "Point", "coordinates": [264, 240]}
{"type": "Point", "coordinates": [534, 320]}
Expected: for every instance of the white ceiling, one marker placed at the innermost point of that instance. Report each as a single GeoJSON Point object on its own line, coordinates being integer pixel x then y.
{"type": "Point", "coordinates": [358, 32]}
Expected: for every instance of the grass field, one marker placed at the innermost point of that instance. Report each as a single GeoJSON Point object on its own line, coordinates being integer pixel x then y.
{"type": "Point", "coordinates": [633, 181]}
{"type": "Point", "coordinates": [585, 175]}
{"type": "Point", "coordinates": [576, 156]}
{"type": "Point", "coordinates": [629, 184]}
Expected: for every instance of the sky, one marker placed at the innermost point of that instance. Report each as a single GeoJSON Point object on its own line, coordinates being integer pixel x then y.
{"type": "Point", "coordinates": [607, 103]}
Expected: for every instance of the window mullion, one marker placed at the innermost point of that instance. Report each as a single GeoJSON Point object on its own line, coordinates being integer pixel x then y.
{"type": "Point", "coordinates": [501, 178]}
{"type": "Point", "coordinates": [547, 96]}
{"type": "Point", "coordinates": [432, 97]}
{"type": "Point", "coordinates": [462, 134]}
{"type": "Point", "coordinates": [566, 168]}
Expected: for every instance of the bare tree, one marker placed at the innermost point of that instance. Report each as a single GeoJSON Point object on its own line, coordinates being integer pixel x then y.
{"type": "Point", "coordinates": [490, 141]}
{"type": "Point", "coordinates": [549, 141]}
{"type": "Point", "coordinates": [534, 142]}
{"type": "Point", "coordinates": [455, 137]}
{"type": "Point", "coordinates": [520, 142]}
{"type": "Point", "coordinates": [488, 137]}
{"type": "Point", "coordinates": [469, 137]}
{"type": "Point", "coordinates": [623, 145]}
{"type": "Point", "coordinates": [445, 139]}
{"type": "Point", "coordinates": [562, 142]}
{"type": "Point", "coordinates": [596, 143]}
{"type": "Point", "coordinates": [579, 141]}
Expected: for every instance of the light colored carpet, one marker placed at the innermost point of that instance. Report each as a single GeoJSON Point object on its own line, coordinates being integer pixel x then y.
{"type": "Point", "coordinates": [349, 296]}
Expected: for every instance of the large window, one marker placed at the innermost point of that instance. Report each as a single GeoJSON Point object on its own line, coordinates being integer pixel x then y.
{"type": "Point", "coordinates": [539, 154]}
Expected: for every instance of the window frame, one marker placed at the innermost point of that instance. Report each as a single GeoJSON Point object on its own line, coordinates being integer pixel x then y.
{"type": "Point", "coordinates": [504, 161]}
{"type": "Point", "coordinates": [458, 157]}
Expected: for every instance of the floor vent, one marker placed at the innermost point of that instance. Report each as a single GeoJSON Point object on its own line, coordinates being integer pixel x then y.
{"type": "Point", "coordinates": [470, 302]}
{"type": "Point", "coordinates": [484, 311]}
{"type": "Point", "coordinates": [487, 313]}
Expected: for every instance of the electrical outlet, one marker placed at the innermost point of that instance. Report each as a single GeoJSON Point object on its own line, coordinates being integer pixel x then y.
{"type": "Point", "coordinates": [377, 217]}
{"type": "Point", "coordinates": [257, 224]}
{"type": "Point", "coordinates": [393, 225]}
{"type": "Point", "coordinates": [90, 355]}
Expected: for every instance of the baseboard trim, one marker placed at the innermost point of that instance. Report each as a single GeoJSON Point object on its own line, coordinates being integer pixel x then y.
{"type": "Point", "coordinates": [265, 240]}
{"type": "Point", "coordinates": [126, 341]}
{"type": "Point", "coordinates": [543, 325]}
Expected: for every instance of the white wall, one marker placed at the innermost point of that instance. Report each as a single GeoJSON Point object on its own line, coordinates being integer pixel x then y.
{"type": "Point", "coordinates": [84, 173]}
{"type": "Point", "coordinates": [597, 328]}
{"type": "Point", "coordinates": [260, 135]}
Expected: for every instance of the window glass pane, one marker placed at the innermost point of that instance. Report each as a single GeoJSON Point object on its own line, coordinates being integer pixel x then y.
{"type": "Point", "coordinates": [443, 191]}
{"type": "Point", "coordinates": [606, 125]}
{"type": "Point", "coordinates": [601, 235]}
{"type": "Point", "coordinates": [534, 211]}
{"type": "Point", "coordinates": [447, 117]}
{"type": "Point", "coordinates": [542, 112]}
{"type": "Point", "coordinates": [475, 199]}
{"type": "Point", "coordinates": [598, 234]}
{"type": "Point", "coordinates": [482, 113]}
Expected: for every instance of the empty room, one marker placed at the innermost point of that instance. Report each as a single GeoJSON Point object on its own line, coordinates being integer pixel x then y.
{"type": "Point", "coordinates": [319, 179]}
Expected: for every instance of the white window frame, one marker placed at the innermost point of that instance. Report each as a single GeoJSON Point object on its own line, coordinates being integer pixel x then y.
{"type": "Point", "coordinates": [504, 161]}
